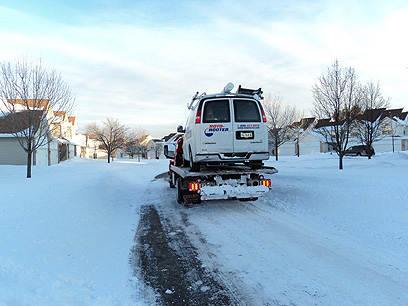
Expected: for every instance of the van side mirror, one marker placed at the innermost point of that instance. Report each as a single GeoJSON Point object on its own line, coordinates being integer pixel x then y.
{"type": "Point", "coordinates": [180, 129]}
{"type": "Point", "coordinates": [166, 150]}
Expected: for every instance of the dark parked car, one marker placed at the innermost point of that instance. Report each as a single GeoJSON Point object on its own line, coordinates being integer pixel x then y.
{"type": "Point", "coordinates": [360, 151]}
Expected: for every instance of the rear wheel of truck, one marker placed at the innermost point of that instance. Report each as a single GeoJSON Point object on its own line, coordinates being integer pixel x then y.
{"type": "Point", "coordinates": [186, 163]}
{"type": "Point", "coordinates": [194, 167]}
{"type": "Point", "coordinates": [248, 199]}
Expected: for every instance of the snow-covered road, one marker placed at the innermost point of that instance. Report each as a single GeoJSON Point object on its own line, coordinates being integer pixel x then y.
{"type": "Point", "coordinates": [292, 247]}
{"type": "Point", "coordinates": [277, 258]}
{"type": "Point", "coordinates": [292, 261]}
{"type": "Point", "coordinates": [321, 237]}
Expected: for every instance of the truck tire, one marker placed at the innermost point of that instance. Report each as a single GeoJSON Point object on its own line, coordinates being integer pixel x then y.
{"type": "Point", "coordinates": [248, 199]}
{"type": "Point", "coordinates": [186, 163]}
{"type": "Point", "coordinates": [180, 194]}
{"type": "Point", "coordinates": [194, 167]}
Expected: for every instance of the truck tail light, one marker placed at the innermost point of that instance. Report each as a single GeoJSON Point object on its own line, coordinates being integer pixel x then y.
{"type": "Point", "coordinates": [266, 183]}
{"type": "Point", "coordinates": [198, 116]}
{"type": "Point", "coordinates": [263, 115]}
{"type": "Point", "coordinates": [194, 186]}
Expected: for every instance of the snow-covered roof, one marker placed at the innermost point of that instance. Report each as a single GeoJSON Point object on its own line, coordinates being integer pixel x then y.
{"type": "Point", "coordinates": [6, 135]}
{"type": "Point", "coordinates": [172, 138]}
{"type": "Point", "coordinates": [62, 140]}
{"type": "Point", "coordinates": [318, 135]}
{"type": "Point", "coordinates": [147, 139]}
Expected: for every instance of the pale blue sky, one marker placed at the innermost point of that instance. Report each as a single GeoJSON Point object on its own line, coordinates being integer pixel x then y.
{"type": "Point", "coordinates": [141, 61]}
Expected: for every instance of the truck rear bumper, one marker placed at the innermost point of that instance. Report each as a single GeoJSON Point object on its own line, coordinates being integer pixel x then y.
{"type": "Point", "coordinates": [231, 157]}
{"type": "Point", "coordinates": [229, 192]}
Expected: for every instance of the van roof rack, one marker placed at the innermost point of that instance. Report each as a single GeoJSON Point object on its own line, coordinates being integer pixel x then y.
{"type": "Point", "coordinates": [255, 93]}
{"type": "Point", "coordinates": [252, 92]}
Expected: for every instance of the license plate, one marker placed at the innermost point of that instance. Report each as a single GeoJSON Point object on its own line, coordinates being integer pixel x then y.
{"type": "Point", "coordinates": [246, 134]}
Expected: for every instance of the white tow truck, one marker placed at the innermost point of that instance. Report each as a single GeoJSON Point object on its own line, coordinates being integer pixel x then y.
{"type": "Point", "coordinates": [221, 153]}
{"type": "Point", "coordinates": [216, 183]}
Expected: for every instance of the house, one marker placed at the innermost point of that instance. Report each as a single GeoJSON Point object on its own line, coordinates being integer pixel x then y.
{"type": "Point", "coordinates": [150, 147]}
{"type": "Point", "coordinates": [62, 143]}
{"type": "Point", "coordinates": [168, 145]}
{"type": "Point", "coordinates": [392, 129]}
{"type": "Point", "coordinates": [11, 152]}
{"type": "Point", "coordinates": [393, 133]}
{"type": "Point", "coordinates": [91, 146]}
{"type": "Point", "coordinates": [64, 130]}
{"type": "Point", "coordinates": [306, 140]}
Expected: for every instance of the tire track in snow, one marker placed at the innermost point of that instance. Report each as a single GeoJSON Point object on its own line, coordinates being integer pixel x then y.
{"type": "Point", "coordinates": [179, 214]}
{"type": "Point", "coordinates": [169, 264]}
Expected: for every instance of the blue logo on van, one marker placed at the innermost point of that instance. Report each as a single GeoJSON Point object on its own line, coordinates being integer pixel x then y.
{"type": "Point", "coordinates": [215, 128]}
{"type": "Point", "coordinates": [208, 132]}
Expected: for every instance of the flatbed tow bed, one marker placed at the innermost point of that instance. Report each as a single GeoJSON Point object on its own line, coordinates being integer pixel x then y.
{"type": "Point", "coordinates": [220, 182]}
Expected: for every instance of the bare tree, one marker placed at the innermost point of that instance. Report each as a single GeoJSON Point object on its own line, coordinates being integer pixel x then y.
{"type": "Point", "coordinates": [30, 96]}
{"type": "Point", "coordinates": [369, 125]}
{"type": "Point", "coordinates": [112, 135]}
{"type": "Point", "coordinates": [337, 95]}
{"type": "Point", "coordinates": [280, 119]}
{"type": "Point", "coordinates": [134, 142]}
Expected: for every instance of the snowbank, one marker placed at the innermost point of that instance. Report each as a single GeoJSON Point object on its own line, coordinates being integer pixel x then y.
{"type": "Point", "coordinates": [66, 233]}
{"type": "Point", "coordinates": [367, 199]}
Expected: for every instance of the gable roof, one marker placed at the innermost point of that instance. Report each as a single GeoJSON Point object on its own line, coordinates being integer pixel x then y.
{"type": "Point", "coordinates": [39, 103]}
{"type": "Point", "coordinates": [61, 114]}
{"type": "Point", "coordinates": [167, 137]}
{"type": "Point", "coordinates": [145, 139]}
{"type": "Point", "coordinates": [371, 115]}
{"type": "Point", "coordinates": [304, 123]}
{"type": "Point", "coordinates": [18, 122]}
{"type": "Point", "coordinates": [402, 116]}
{"type": "Point", "coordinates": [72, 120]}
{"type": "Point", "coordinates": [323, 123]}
{"type": "Point", "coordinates": [172, 137]}
{"type": "Point", "coordinates": [391, 113]}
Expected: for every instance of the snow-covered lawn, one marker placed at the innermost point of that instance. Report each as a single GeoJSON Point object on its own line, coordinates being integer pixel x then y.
{"type": "Point", "coordinates": [321, 237]}
{"type": "Point", "coordinates": [65, 234]}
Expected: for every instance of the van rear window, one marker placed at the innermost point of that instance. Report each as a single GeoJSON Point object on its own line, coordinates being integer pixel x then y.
{"type": "Point", "coordinates": [246, 111]}
{"type": "Point", "coordinates": [216, 111]}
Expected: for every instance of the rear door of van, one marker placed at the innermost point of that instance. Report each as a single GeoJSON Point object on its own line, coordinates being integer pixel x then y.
{"type": "Point", "coordinates": [250, 131]}
{"type": "Point", "coordinates": [216, 126]}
